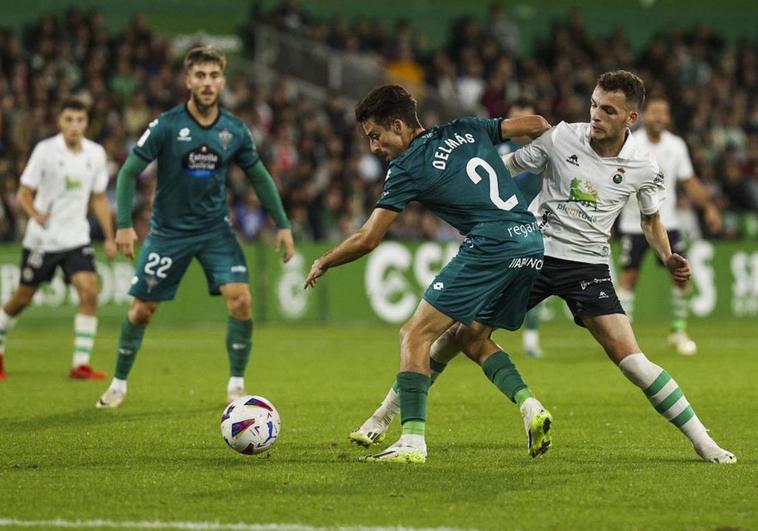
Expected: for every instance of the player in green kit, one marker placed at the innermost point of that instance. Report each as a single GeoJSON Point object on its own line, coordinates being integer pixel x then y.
{"type": "Point", "coordinates": [455, 171]}
{"type": "Point", "coordinates": [193, 144]}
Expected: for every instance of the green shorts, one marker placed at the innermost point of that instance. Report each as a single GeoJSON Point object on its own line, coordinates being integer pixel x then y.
{"type": "Point", "coordinates": [486, 283]}
{"type": "Point", "coordinates": [163, 261]}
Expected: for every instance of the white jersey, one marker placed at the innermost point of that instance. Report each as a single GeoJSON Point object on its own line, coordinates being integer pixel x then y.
{"type": "Point", "coordinates": [63, 181]}
{"type": "Point", "coordinates": [674, 160]}
{"type": "Point", "coordinates": [583, 193]}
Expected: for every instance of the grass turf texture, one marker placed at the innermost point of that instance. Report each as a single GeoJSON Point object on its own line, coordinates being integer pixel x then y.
{"type": "Point", "coordinates": [614, 464]}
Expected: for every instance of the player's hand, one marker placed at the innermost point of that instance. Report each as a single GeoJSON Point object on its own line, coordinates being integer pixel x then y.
{"type": "Point", "coordinates": [317, 270]}
{"type": "Point", "coordinates": [679, 268]}
{"type": "Point", "coordinates": [41, 218]}
{"type": "Point", "coordinates": [713, 219]}
{"type": "Point", "coordinates": [284, 238]}
{"type": "Point", "coordinates": [125, 239]}
{"type": "Point", "coordinates": [109, 246]}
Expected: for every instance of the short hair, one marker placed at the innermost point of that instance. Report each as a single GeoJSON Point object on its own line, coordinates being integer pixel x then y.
{"type": "Point", "coordinates": [204, 54]}
{"type": "Point", "coordinates": [387, 103]}
{"type": "Point", "coordinates": [623, 81]}
{"type": "Point", "coordinates": [75, 104]}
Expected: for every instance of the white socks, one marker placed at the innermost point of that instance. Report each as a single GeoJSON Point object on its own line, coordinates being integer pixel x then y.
{"type": "Point", "coordinates": [85, 328]}
{"type": "Point", "coordinates": [666, 397]}
{"type": "Point", "coordinates": [235, 382]}
{"type": "Point", "coordinates": [6, 323]}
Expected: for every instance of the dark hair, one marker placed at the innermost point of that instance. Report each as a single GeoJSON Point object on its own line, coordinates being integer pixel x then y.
{"type": "Point", "coordinates": [387, 103]}
{"type": "Point", "coordinates": [74, 104]}
{"type": "Point", "coordinates": [623, 81]}
{"type": "Point", "coordinates": [204, 54]}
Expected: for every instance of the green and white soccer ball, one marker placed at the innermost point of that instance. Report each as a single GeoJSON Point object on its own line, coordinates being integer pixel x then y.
{"type": "Point", "coordinates": [250, 425]}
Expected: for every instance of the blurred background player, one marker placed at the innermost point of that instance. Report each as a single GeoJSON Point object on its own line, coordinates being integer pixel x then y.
{"type": "Point", "coordinates": [194, 144]}
{"type": "Point", "coordinates": [530, 187]}
{"type": "Point", "coordinates": [65, 174]}
{"type": "Point", "coordinates": [670, 151]}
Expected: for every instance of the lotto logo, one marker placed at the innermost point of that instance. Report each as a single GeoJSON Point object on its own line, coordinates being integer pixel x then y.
{"type": "Point", "coordinates": [438, 286]}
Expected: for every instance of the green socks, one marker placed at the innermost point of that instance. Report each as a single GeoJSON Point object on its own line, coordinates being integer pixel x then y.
{"type": "Point", "coordinates": [239, 342]}
{"type": "Point", "coordinates": [129, 343]}
{"type": "Point", "coordinates": [503, 373]}
{"type": "Point", "coordinates": [413, 390]}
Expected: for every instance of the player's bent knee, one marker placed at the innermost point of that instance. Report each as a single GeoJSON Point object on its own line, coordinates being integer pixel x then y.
{"type": "Point", "coordinates": [141, 312]}
{"type": "Point", "coordinates": [240, 306]}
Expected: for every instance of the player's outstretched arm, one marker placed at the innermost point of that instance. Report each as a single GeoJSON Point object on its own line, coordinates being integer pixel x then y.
{"type": "Point", "coordinates": [656, 236]}
{"type": "Point", "coordinates": [358, 244]}
{"type": "Point", "coordinates": [532, 126]}
{"type": "Point", "coordinates": [126, 184]}
{"type": "Point", "coordinates": [102, 212]}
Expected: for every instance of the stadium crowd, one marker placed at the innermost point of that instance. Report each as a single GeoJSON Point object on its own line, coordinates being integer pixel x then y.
{"type": "Point", "coordinates": [328, 178]}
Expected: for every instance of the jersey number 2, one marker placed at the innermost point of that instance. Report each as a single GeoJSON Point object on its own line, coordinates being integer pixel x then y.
{"type": "Point", "coordinates": [153, 260]}
{"type": "Point", "coordinates": [476, 163]}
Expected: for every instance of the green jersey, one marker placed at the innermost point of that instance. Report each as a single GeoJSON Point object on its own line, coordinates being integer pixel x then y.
{"type": "Point", "coordinates": [455, 170]}
{"type": "Point", "coordinates": [193, 161]}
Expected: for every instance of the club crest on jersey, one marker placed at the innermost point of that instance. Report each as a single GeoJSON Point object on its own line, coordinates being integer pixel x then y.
{"type": "Point", "coordinates": [184, 135]}
{"type": "Point", "coordinates": [201, 162]}
{"type": "Point", "coordinates": [225, 136]}
{"type": "Point", "coordinates": [618, 177]}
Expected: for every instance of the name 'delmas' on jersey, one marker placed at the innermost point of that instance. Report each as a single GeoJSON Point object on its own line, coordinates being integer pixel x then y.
{"type": "Point", "coordinates": [442, 153]}
{"type": "Point", "coordinates": [201, 162]}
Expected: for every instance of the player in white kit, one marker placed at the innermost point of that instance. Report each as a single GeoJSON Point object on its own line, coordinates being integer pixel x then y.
{"type": "Point", "coordinates": [670, 152]}
{"type": "Point", "coordinates": [64, 176]}
{"type": "Point", "coordinates": [589, 171]}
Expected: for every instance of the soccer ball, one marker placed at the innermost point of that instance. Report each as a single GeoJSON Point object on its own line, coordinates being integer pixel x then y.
{"type": "Point", "coordinates": [250, 424]}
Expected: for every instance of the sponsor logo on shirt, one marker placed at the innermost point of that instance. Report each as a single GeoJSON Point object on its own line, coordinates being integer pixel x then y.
{"type": "Point", "coordinates": [201, 162]}
{"type": "Point", "coordinates": [184, 135]}
{"type": "Point", "coordinates": [583, 193]}
{"type": "Point", "coordinates": [71, 183]}
{"type": "Point", "coordinates": [573, 159]}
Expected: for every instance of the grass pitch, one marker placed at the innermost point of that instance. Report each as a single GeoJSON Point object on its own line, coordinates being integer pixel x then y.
{"type": "Point", "coordinates": [615, 463]}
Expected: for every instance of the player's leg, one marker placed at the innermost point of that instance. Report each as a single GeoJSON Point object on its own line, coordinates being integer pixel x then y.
{"type": "Point", "coordinates": [477, 344]}
{"type": "Point", "coordinates": [79, 269]}
{"type": "Point", "coordinates": [226, 273]}
{"type": "Point", "coordinates": [443, 350]}
{"type": "Point", "coordinates": [633, 249]}
{"type": "Point", "coordinates": [416, 338]}
{"type": "Point", "coordinates": [36, 269]}
{"type": "Point", "coordinates": [20, 299]}
{"type": "Point", "coordinates": [531, 334]}
{"type": "Point", "coordinates": [507, 310]}
{"type": "Point", "coordinates": [680, 305]}
{"type": "Point", "coordinates": [129, 342]}
{"type": "Point", "coordinates": [615, 335]}
{"type": "Point", "coordinates": [239, 336]}
{"type": "Point", "coordinates": [160, 267]}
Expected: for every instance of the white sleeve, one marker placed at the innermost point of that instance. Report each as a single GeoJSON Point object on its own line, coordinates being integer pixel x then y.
{"type": "Point", "coordinates": [34, 169]}
{"type": "Point", "coordinates": [100, 182]}
{"type": "Point", "coordinates": [651, 192]}
{"type": "Point", "coordinates": [684, 169]}
{"type": "Point", "coordinates": [534, 156]}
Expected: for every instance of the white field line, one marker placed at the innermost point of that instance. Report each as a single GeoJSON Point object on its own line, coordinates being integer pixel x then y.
{"type": "Point", "coordinates": [157, 524]}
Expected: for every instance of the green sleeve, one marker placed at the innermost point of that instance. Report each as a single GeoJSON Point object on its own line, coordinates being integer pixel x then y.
{"type": "Point", "coordinates": [264, 186]}
{"type": "Point", "coordinates": [125, 186]}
